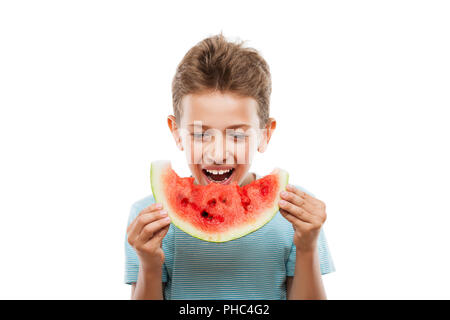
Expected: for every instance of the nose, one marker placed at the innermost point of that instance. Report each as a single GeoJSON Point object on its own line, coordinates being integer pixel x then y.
{"type": "Point", "coordinates": [217, 151]}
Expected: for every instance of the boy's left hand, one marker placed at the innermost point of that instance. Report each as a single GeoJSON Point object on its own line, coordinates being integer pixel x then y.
{"type": "Point", "coordinates": [307, 215]}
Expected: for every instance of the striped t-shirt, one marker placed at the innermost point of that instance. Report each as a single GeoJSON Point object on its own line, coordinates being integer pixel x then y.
{"type": "Point", "coordinates": [251, 267]}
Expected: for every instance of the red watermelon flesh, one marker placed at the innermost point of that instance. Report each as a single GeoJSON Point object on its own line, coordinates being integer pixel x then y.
{"type": "Point", "coordinates": [217, 212]}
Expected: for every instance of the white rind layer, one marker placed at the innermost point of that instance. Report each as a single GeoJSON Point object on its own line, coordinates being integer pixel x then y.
{"type": "Point", "coordinates": [158, 168]}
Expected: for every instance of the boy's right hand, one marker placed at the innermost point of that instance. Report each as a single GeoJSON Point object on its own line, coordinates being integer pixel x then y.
{"type": "Point", "coordinates": [145, 234]}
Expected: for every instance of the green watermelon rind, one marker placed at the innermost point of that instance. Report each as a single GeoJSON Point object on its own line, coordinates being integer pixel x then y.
{"type": "Point", "coordinates": [158, 167]}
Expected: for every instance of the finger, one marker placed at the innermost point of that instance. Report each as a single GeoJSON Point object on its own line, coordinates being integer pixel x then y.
{"type": "Point", "coordinates": [296, 211]}
{"type": "Point", "coordinates": [147, 218]}
{"type": "Point", "coordinates": [150, 229]}
{"type": "Point", "coordinates": [313, 205]}
{"type": "Point", "coordinates": [294, 220]}
{"type": "Point", "coordinates": [303, 195]}
{"type": "Point", "coordinates": [288, 216]}
{"type": "Point", "coordinates": [159, 235]}
{"type": "Point", "coordinates": [297, 200]}
{"type": "Point", "coordinates": [150, 208]}
{"type": "Point", "coordinates": [141, 221]}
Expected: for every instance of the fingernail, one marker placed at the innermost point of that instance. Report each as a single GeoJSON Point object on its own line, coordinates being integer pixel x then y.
{"type": "Point", "coordinates": [282, 202]}
{"type": "Point", "coordinates": [159, 206]}
{"type": "Point", "coordinates": [163, 212]}
{"type": "Point", "coordinates": [284, 193]}
{"type": "Point", "coordinates": [167, 219]}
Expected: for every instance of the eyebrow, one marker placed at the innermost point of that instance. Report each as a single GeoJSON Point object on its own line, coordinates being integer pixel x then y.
{"type": "Point", "coordinates": [241, 125]}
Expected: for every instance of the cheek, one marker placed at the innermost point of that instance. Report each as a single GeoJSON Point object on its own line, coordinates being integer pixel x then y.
{"type": "Point", "coordinates": [242, 151]}
{"type": "Point", "coordinates": [194, 151]}
{"type": "Point", "coordinates": [249, 148]}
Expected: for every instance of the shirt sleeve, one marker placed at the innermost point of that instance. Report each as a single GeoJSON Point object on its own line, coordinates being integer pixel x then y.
{"type": "Point", "coordinates": [326, 262]}
{"type": "Point", "coordinates": [131, 257]}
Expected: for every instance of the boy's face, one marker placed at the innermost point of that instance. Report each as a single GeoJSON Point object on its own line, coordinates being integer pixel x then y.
{"type": "Point", "coordinates": [219, 133]}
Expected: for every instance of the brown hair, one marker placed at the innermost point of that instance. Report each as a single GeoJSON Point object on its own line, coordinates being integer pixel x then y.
{"type": "Point", "coordinates": [217, 64]}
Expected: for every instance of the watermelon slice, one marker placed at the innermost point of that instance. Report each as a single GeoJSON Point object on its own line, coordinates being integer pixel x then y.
{"type": "Point", "coordinates": [217, 212]}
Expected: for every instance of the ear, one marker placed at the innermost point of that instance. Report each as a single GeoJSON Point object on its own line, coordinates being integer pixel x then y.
{"type": "Point", "coordinates": [267, 132]}
{"type": "Point", "coordinates": [172, 123]}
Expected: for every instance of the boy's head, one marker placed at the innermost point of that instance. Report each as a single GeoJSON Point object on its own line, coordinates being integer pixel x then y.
{"type": "Point", "coordinates": [221, 95]}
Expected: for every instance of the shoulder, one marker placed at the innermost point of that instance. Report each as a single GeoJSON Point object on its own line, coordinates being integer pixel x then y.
{"type": "Point", "coordinates": [144, 202]}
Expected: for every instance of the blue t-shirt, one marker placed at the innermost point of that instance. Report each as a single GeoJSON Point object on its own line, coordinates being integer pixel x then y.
{"type": "Point", "coordinates": [251, 267]}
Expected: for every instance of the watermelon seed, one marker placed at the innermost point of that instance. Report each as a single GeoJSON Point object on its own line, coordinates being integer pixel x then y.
{"type": "Point", "coordinates": [204, 214]}
{"type": "Point", "coordinates": [212, 202]}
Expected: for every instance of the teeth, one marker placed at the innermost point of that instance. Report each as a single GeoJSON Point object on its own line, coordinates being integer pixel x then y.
{"type": "Point", "coordinates": [218, 171]}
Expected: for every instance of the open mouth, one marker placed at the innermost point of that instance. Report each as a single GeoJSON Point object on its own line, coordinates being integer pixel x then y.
{"type": "Point", "coordinates": [219, 176]}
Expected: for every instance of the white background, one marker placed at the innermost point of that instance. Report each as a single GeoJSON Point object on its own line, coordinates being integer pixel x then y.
{"type": "Point", "coordinates": [361, 95]}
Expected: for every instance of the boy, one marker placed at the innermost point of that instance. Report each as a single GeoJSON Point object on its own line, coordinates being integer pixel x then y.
{"type": "Point", "coordinates": [221, 92]}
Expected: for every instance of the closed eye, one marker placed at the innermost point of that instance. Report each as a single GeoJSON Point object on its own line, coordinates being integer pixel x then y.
{"type": "Point", "coordinates": [239, 136]}
{"type": "Point", "coordinates": [199, 135]}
